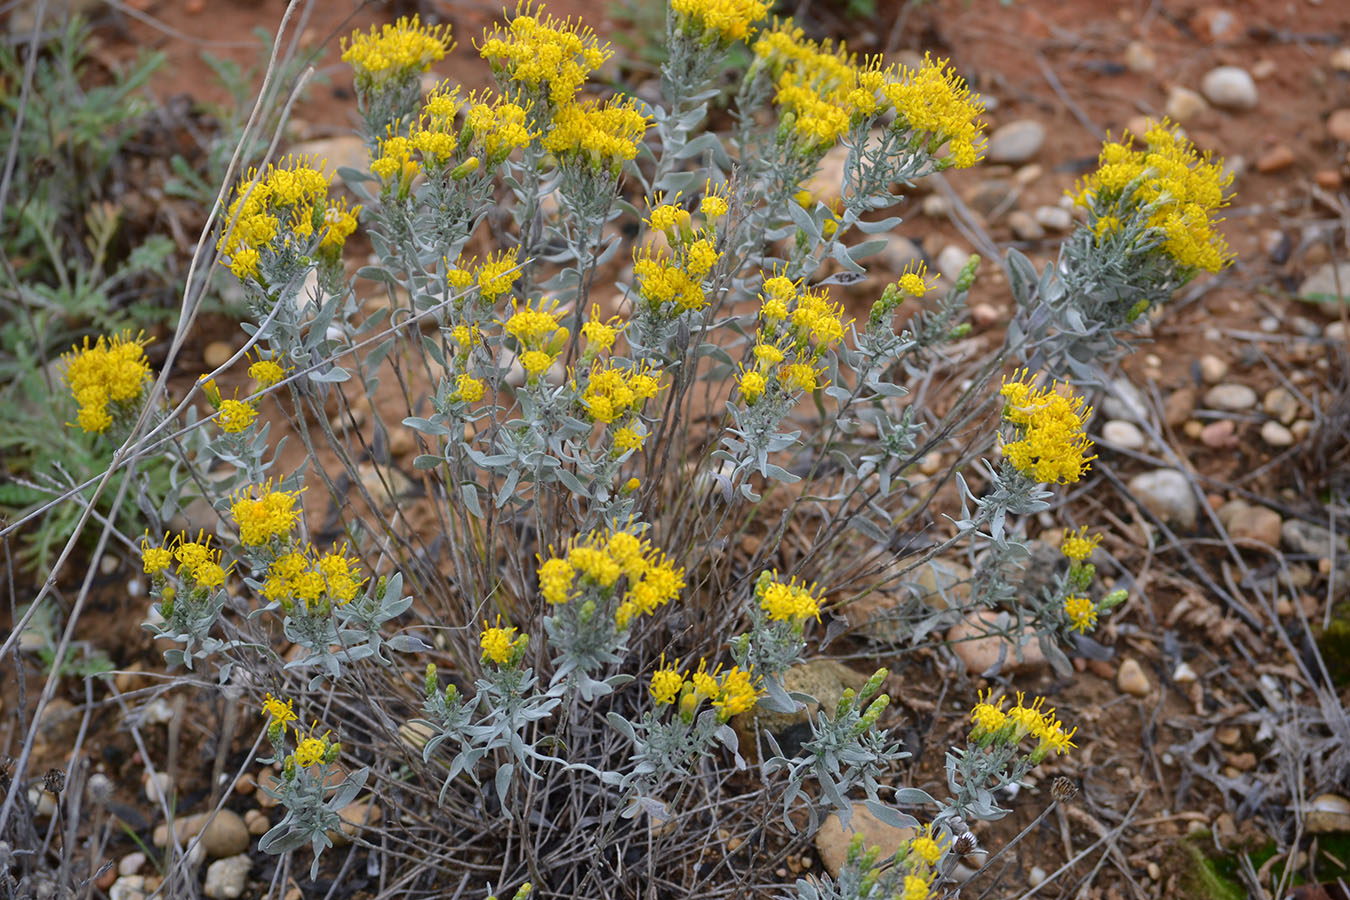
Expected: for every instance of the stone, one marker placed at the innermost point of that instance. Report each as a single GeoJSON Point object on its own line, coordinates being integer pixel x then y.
{"type": "Point", "coordinates": [131, 863]}
{"type": "Point", "coordinates": [1214, 24]}
{"type": "Point", "coordinates": [1024, 226]}
{"type": "Point", "coordinates": [1340, 59]}
{"type": "Point", "coordinates": [1184, 104]}
{"type": "Point", "coordinates": [1281, 404]}
{"type": "Point", "coordinates": [825, 185]}
{"type": "Point", "coordinates": [59, 723]}
{"type": "Point", "coordinates": [1329, 283]}
{"type": "Point", "coordinates": [216, 354]}
{"type": "Point", "coordinates": [356, 815]}
{"type": "Point", "coordinates": [1028, 175]}
{"type": "Point", "coordinates": [158, 785]}
{"type": "Point", "coordinates": [824, 679]}
{"type": "Point", "coordinates": [1298, 536]}
{"type": "Point", "coordinates": [898, 253]}
{"type": "Point", "coordinates": [346, 150]}
{"type": "Point", "coordinates": [1036, 876]}
{"type": "Point", "coordinates": [1140, 58]}
{"type": "Point", "coordinates": [1130, 679]}
{"type": "Point", "coordinates": [401, 441]}
{"type": "Point", "coordinates": [951, 261]}
{"type": "Point", "coordinates": [1124, 401]}
{"type": "Point", "coordinates": [1276, 435]}
{"type": "Point", "coordinates": [1178, 406]}
{"type": "Point", "coordinates": [1167, 494]}
{"type": "Point", "coordinates": [1054, 218]}
{"type": "Point", "coordinates": [1328, 179]}
{"type": "Point", "coordinates": [981, 651]}
{"type": "Point", "coordinates": [1276, 159]}
{"type": "Point", "coordinates": [1338, 125]}
{"type": "Point", "coordinates": [257, 823]}
{"type": "Point", "coordinates": [833, 838]}
{"type": "Point", "coordinates": [985, 315]}
{"type": "Point", "coordinates": [1326, 814]}
{"type": "Point", "coordinates": [936, 206]}
{"type": "Point", "coordinates": [1219, 435]}
{"type": "Point", "coordinates": [1230, 397]}
{"type": "Point", "coordinates": [1230, 87]}
{"type": "Point", "coordinates": [1264, 68]}
{"type": "Point", "coordinates": [1184, 674]}
{"type": "Point", "coordinates": [1125, 435]}
{"type": "Point", "coordinates": [991, 195]}
{"type": "Point", "coordinates": [1256, 523]}
{"type": "Point", "coordinates": [226, 835]}
{"type": "Point", "coordinates": [129, 887]}
{"type": "Point", "coordinates": [227, 878]}
{"type": "Point", "coordinates": [1212, 369]}
{"type": "Point", "coordinates": [1269, 324]}
{"type": "Point", "coordinates": [1336, 331]}
{"type": "Point", "coordinates": [1016, 142]}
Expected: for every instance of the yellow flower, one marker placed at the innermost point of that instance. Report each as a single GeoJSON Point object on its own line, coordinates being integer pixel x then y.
{"type": "Point", "coordinates": [459, 279]}
{"type": "Point", "coordinates": [661, 583]}
{"type": "Point", "coordinates": [737, 693]}
{"type": "Point", "coordinates": [500, 644]}
{"type": "Point", "coordinates": [111, 373]}
{"type": "Point", "coordinates": [701, 257]}
{"type": "Point", "coordinates": [600, 334]}
{"type": "Point", "coordinates": [1051, 444]}
{"type": "Point", "coordinates": [787, 601]}
{"type": "Point", "coordinates": [155, 559]}
{"type": "Point", "coordinates": [312, 750]}
{"type": "Point", "coordinates": [278, 711]}
{"type": "Point", "coordinates": [626, 439]}
{"type": "Point", "coordinates": [916, 888]}
{"type": "Point", "coordinates": [497, 128]}
{"type": "Point", "coordinates": [713, 206]}
{"type": "Point", "coordinates": [340, 574]}
{"type": "Point", "coordinates": [395, 51]}
{"type": "Point", "coordinates": [936, 101]}
{"type": "Point", "coordinates": [267, 372]}
{"type": "Point", "coordinates": [532, 327]}
{"type": "Point", "coordinates": [339, 224]}
{"type": "Point", "coordinates": [594, 564]}
{"type": "Point", "coordinates": [235, 416]}
{"type": "Point", "coordinates": [555, 581]}
{"type": "Point", "coordinates": [925, 846]}
{"type": "Point", "coordinates": [271, 515]}
{"type": "Point", "coordinates": [1077, 545]}
{"type": "Point", "coordinates": [542, 57]}
{"type": "Point", "coordinates": [719, 21]}
{"type": "Point", "coordinates": [666, 683]}
{"type": "Point", "coordinates": [751, 384]}
{"type": "Point", "coordinates": [497, 275]}
{"type": "Point", "coordinates": [599, 136]}
{"type": "Point", "coordinates": [244, 263]}
{"type": "Point", "coordinates": [913, 281]}
{"type": "Point", "coordinates": [535, 362]}
{"type": "Point", "coordinates": [612, 393]}
{"type": "Point", "coordinates": [469, 389]}
{"type": "Point", "coordinates": [988, 717]}
{"type": "Point", "coordinates": [209, 574]}
{"type": "Point", "coordinates": [1082, 613]}
{"type": "Point", "coordinates": [800, 376]}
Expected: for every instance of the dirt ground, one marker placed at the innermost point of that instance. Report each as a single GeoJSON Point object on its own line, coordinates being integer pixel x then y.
{"type": "Point", "coordinates": [1189, 755]}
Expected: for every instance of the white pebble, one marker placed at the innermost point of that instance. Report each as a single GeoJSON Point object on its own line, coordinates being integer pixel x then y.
{"type": "Point", "coordinates": [1036, 876]}
{"type": "Point", "coordinates": [1184, 674]}
{"type": "Point", "coordinates": [1125, 435]}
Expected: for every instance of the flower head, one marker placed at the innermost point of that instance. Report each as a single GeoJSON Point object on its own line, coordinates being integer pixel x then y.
{"type": "Point", "coordinates": [1078, 545]}
{"type": "Point", "coordinates": [501, 646]}
{"type": "Point", "coordinates": [1051, 444]}
{"type": "Point", "coordinates": [787, 601]}
{"type": "Point", "coordinates": [395, 51]}
{"type": "Point", "coordinates": [540, 57]}
{"type": "Point", "coordinates": [107, 378]}
{"type": "Point", "coordinates": [719, 22]}
{"type": "Point", "coordinates": [666, 683]}
{"type": "Point", "coordinates": [267, 372]}
{"type": "Point", "coordinates": [155, 559]}
{"type": "Point", "coordinates": [1081, 613]}
{"type": "Point", "coordinates": [271, 515]}
{"type": "Point", "coordinates": [278, 711]}
{"type": "Point", "coordinates": [234, 416]}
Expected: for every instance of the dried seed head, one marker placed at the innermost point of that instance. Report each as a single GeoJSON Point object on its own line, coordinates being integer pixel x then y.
{"type": "Point", "coordinates": [54, 781]}
{"type": "Point", "coordinates": [964, 844]}
{"type": "Point", "coordinates": [1063, 789]}
{"type": "Point", "coordinates": [100, 788]}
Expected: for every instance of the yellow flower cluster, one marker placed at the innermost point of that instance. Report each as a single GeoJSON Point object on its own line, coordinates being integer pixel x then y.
{"type": "Point", "coordinates": [731, 693]}
{"type": "Point", "coordinates": [599, 560]}
{"type": "Point", "coordinates": [268, 517]}
{"type": "Point", "coordinates": [291, 197]}
{"type": "Point", "coordinates": [600, 333]}
{"type": "Point", "coordinates": [493, 278]}
{"type": "Point", "coordinates": [1078, 545]}
{"type": "Point", "coordinates": [395, 51]}
{"type": "Point", "coordinates": [538, 335]}
{"type": "Point", "coordinates": [501, 646]}
{"type": "Point", "coordinates": [311, 750]}
{"type": "Point", "coordinates": [317, 581]}
{"type": "Point", "coordinates": [468, 388]}
{"type": "Point", "coordinates": [545, 59]}
{"type": "Point", "coordinates": [825, 89]}
{"type": "Point", "coordinates": [1170, 185]}
{"type": "Point", "coordinates": [278, 710]}
{"type": "Point", "coordinates": [992, 723]}
{"type": "Point", "coordinates": [267, 372]}
{"type": "Point", "coordinates": [719, 21]}
{"type": "Point", "coordinates": [197, 560]}
{"type": "Point", "coordinates": [234, 416]}
{"type": "Point", "coordinates": [1081, 613]}
{"type": "Point", "coordinates": [787, 601]}
{"type": "Point", "coordinates": [915, 281]}
{"type": "Point", "coordinates": [612, 394]}
{"type": "Point", "coordinates": [1051, 445]}
{"type": "Point", "coordinates": [796, 328]}
{"type": "Point", "coordinates": [666, 280]}
{"type": "Point", "coordinates": [106, 378]}
{"type": "Point", "coordinates": [601, 137]}
{"type": "Point", "coordinates": [497, 128]}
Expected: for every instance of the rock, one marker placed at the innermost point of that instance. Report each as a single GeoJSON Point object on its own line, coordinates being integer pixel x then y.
{"type": "Point", "coordinates": [1130, 679]}
{"type": "Point", "coordinates": [824, 679]}
{"type": "Point", "coordinates": [228, 877]}
{"type": "Point", "coordinates": [1340, 59]}
{"type": "Point", "coordinates": [1215, 23]}
{"type": "Point", "coordinates": [401, 442]}
{"type": "Point", "coordinates": [1230, 397]}
{"type": "Point", "coordinates": [1016, 142]}
{"type": "Point", "coordinates": [1338, 125]}
{"type": "Point", "coordinates": [1230, 87]}
{"type": "Point", "coordinates": [1276, 435]}
{"type": "Point", "coordinates": [981, 651]}
{"type": "Point", "coordinates": [1269, 324]}
{"type": "Point", "coordinates": [333, 153]}
{"type": "Point", "coordinates": [1330, 283]}
{"type": "Point", "coordinates": [1327, 813]}
{"type": "Point", "coordinates": [1167, 494]}
{"type": "Point", "coordinates": [1281, 404]}
{"type": "Point", "coordinates": [227, 835]}
{"type": "Point", "coordinates": [936, 206]}
{"type": "Point", "coordinates": [1024, 226]}
{"type": "Point", "coordinates": [1036, 876]}
{"type": "Point", "coordinates": [384, 484]}
{"type": "Point", "coordinates": [1184, 104]}
{"type": "Point", "coordinates": [991, 195]}
{"type": "Point", "coordinates": [1140, 58]}
{"type": "Point", "coordinates": [59, 723]}
{"type": "Point", "coordinates": [1336, 331]}
{"type": "Point", "coordinates": [257, 823]}
{"type": "Point", "coordinates": [131, 863]}
{"type": "Point", "coordinates": [129, 887]}
{"type": "Point", "coordinates": [1054, 218]}
{"type": "Point", "coordinates": [833, 838]}
{"type": "Point", "coordinates": [1255, 523]}
{"type": "Point", "coordinates": [1219, 435]}
{"type": "Point", "coordinates": [1327, 179]}
{"type": "Point", "coordinates": [1298, 536]}
{"type": "Point", "coordinates": [1124, 401]}
{"type": "Point", "coordinates": [158, 785]}
{"type": "Point", "coordinates": [825, 185]}
{"type": "Point", "coordinates": [1276, 159]}
{"type": "Point", "coordinates": [1184, 674]}
{"type": "Point", "coordinates": [951, 261]}
{"type": "Point", "coordinates": [1178, 406]}
{"type": "Point", "coordinates": [356, 815]}
{"type": "Point", "coordinates": [985, 315]}
{"type": "Point", "coordinates": [1125, 435]}
{"type": "Point", "coordinates": [1028, 175]}
{"type": "Point", "coordinates": [1212, 369]}
{"type": "Point", "coordinates": [898, 253]}
{"type": "Point", "coordinates": [216, 354]}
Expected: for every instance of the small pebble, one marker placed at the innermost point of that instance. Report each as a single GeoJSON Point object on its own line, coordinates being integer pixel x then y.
{"type": "Point", "coordinates": [1281, 404]}
{"type": "Point", "coordinates": [1054, 218]}
{"type": "Point", "coordinates": [1155, 871]}
{"type": "Point", "coordinates": [1276, 159]}
{"type": "Point", "coordinates": [1025, 227]}
{"type": "Point", "coordinates": [1212, 369]}
{"type": "Point", "coordinates": [984, 315]}
{"type": "Point", "coordinates": [1230, 87]}
{"type": "Point", "coordinates": [160, 783]}
{"type": "Point", "coordinates": [1016, 142]}
{"type": "Point", "coordinates": [1184, 104]}
{"type": "Point", "coordinates": [1276, 435]}
{"type": "Point", "coordinates": [1184, 674]}
{"type": "Point", "coordinates": [1219, 435]}
{"type": "Point", "coordinates": [216, 354]}
{"type": "Point", "coordinates": [1131, 679]}
{"type": "Point", "coordinates": [936, 206]}
{"type": "Point", "coordinates": [1036, 876]}
{"type": "Point", "coordinates": [1125, 435]}
{"type": "Point", "coordinates": [1338, 125]}
{"type": "Point", "coordinates": [1230, 397]}
{"type": "Point", "coordinates": [1140, 58]}
{"type": "Point", "coordinates": [256, 821]}
{"type": "Point", "coordinates": [131, 863]}
{"type": "Point", "coordinates": [1269, 324]}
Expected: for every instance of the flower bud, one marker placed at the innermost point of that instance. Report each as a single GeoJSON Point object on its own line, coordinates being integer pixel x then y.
{"type": "Point", "coordinates": [873, 684]}
{"type": "Point", "coordinates": [967, 276]}
{"type": "Point", "coordinates": [1115, 598]}
{"type": "Point", "coordinates": [288, 770]}
{"type": "Point", "coordinates": [331, 754]}
{"type": "Point", "coordinates": [431, 683]}
{"type": "Point", "coordinates": [845, 702]}
{"type": "Point", "coordinates": [465, 169]}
